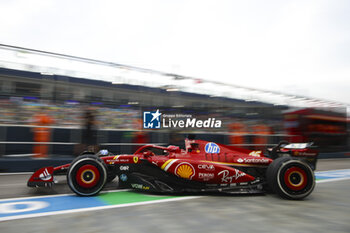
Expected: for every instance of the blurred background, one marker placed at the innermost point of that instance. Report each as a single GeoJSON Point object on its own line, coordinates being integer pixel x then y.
{"type": "Point", "coordinates": [77, 75]}
{"type": "Point", "coordinates": [270, 71]}
{"type": "Point", "coordinates": [49, 100]}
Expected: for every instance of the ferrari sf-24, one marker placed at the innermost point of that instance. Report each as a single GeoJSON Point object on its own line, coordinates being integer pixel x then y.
{"type": "Point", "coordinates": [287, 170]}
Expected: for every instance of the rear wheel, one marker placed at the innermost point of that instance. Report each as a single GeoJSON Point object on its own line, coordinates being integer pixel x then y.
{"type": "Point", "coordinates": [290, 178]}
{"type": "Point", "coordinates": [87, 175]}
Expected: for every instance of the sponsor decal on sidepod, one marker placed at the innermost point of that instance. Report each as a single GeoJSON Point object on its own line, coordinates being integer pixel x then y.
{"type": "Point", "coordinates": [207, 167]}
{"type": "Point", "coordinates": [245, 160]}
{"type": "Point", "coordinates": [227, 178]}
{"type": "Point", "coordinates": [185, 170]}
{"type": "Point", "coordinates": [206, 176]}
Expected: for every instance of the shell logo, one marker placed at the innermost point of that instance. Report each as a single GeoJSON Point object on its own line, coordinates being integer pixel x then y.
{"type": "Point", "coordinates": [185, 170]}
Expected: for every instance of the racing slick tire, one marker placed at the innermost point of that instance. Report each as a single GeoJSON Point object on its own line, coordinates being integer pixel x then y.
{"type": "Point", "coordinates": [290, 178]}
{"type": "Point", "coordinates": [87, 175]}
{"type": "Point", "coordinates": [110, 175]}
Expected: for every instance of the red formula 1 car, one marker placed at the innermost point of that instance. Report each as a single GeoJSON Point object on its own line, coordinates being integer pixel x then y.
{"type": "Point", "coordinates": [202, 167]}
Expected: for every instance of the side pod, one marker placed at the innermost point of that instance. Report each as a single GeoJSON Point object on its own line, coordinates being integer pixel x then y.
{"type": "Point", "coordinates": [42, 178]}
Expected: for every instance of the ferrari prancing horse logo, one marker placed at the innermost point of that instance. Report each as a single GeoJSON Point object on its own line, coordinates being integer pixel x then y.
{"type": "Point", "coordinates": [136, 159]}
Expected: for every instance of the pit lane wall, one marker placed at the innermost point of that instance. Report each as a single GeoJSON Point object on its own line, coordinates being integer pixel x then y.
{"type": "Point", "coordinates": [16, 144]}
{"type": "Point", "coordinates": [18, 141]}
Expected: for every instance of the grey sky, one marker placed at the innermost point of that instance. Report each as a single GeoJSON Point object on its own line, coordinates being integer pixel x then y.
{"type": "Point", "coordinates": [300, 47]}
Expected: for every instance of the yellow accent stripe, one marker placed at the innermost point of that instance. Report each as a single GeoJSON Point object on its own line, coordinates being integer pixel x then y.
{"type": "Point", "coordinates": [166, 163]}
{"type": "Point", "coordinates": [236, 164]}
{"type": "Point", "coordinates": [82, 176]}
{"type": "Point", "coordinates": [223, 163]}
{"type": "Point", "coordinates": [301, 180]}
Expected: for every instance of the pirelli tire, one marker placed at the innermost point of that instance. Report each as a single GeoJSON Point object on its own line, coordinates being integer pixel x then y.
{"type": "Point", "coordinates": [290, 178]}
{"type": "Point", "coordinates": [110, 174]}
{"type": "Point", "coordinates": [87, 175]}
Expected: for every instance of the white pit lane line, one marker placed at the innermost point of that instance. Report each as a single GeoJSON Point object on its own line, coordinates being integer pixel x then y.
{"type": "Point", "coordinates": [332, 180]}
{"type": "Point", "coordinates": [8, 206]}
{"type": "Point", "coordinates": [332, 175]}
{"type": "Point", "coordinates": [327, 176]}
{"type": "Point", "coordinates": [93, 208]}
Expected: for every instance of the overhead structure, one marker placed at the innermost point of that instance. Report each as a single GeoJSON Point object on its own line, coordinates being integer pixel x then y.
{"type": "Point", "coordinates": [48, 63]}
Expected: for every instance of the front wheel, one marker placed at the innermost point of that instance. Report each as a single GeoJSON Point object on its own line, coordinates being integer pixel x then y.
{"type": "Point", "coordinates": [290, 178]}
{"type": "Point", "coordinates": [87, 175]}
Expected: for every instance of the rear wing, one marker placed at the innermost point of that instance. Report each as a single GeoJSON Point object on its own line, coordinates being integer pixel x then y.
{"type": "Point", "coordinates": [304, 151]}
